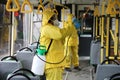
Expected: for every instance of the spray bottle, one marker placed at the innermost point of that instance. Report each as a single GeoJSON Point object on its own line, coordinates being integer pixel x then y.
{"type": "Point", "coordinates": [38, 64]}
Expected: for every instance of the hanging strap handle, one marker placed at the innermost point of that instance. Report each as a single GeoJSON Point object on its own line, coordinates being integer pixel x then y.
{"type": "Point", "coordinates": [55, 11]}
{"type": "Point", "coordinates": [40, 7]}
{"type": "Point", "coordinates": [26, 2]}
{"type": "Point", "coordinates": [12, 9]}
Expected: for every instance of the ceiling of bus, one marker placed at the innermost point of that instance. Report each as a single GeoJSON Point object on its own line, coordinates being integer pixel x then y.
{"type": "Point", "coordinates": [35, 2]}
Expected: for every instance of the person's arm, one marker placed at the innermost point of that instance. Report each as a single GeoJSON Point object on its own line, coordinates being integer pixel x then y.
{"type": "Point", "coordinates": [55, 32]}
{"type": "Point", "coordinates": [51, 31]}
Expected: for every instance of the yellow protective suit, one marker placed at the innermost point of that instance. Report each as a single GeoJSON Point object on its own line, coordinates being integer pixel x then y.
{"type": "Point", "coordinates": [56, 50]}
{"type": "Point", "coordinates": [71, 44]}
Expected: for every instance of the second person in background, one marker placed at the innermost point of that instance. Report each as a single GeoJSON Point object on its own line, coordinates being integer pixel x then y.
{"type": "Point", "coordinates": [71, 47]}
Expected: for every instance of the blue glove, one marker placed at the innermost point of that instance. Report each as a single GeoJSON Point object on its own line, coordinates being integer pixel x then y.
{"type": "Point", "coordinates": [76, 23]}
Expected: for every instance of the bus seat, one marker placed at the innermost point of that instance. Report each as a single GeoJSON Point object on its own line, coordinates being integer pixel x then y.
{"type": "Point", "coordinates": [8, 66]}
{"type": "Point", "coordinates": [20, 74]}
{"type": "Point", "coordinates": [33, 46]}
{"type": "Point", "coordinates": [104, 72]}
{"type": "Point", "coordinates": [95, 52]}
{"type": "Point", "coordinates": [26, 58]}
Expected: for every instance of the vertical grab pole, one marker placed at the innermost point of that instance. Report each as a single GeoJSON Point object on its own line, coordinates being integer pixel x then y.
{"type": "Point", "coordinates": [108, 36]}
{"type": "Point", "coordinates": [63, 11]}
{"type": "Point", "coordinates": [100, 26]}
{"type": "Point", "coordinates": [12, 36]}
{"type": "Point", "coordinates": [116, 36]}
{"type": "Point", "coordinates": [31, 28]}
{"type": "Point", "coordinates": [96, 27]}
{"type": "Point", "coordinates": [102, 38]}
{"type": "Point", "coordinates": [102, 31]}
{"type": "Point", "coordinates": [96, 15]}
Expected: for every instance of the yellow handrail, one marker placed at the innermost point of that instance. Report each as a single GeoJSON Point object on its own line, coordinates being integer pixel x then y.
{"type": "Point", "coordinates": [113, 37]}
{"type": "Point", "coordinates": [12, 9]}
{"type": "Point", "coordinates": [26, 2]}
{"type": "Point", "coordinates": [111, 7]}
{"type": "Point", "coordinates": [96, 11]}
{"type": "Point", "coordinates": [116, 3]}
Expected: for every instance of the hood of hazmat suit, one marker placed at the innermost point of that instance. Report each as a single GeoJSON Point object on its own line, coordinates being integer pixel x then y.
{"type": "Point", "coordinates": [47, 14]}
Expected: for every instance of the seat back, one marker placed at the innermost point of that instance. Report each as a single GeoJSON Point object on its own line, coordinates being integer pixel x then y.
{"type": "Point", "coordinates": [104, 72]}
{"type": "Point", "coordinates": [33, 46]}
{"type": "Point", "coordinates": [8, 66]}
{"type": "Point", "coordinates": [22, 74]}
{"type": "Point", "coordinates": [95, 52]}
{"type": "Point", "coordinates": [20, 77]}
{"type": "Point", "coordinates": [26, 58]}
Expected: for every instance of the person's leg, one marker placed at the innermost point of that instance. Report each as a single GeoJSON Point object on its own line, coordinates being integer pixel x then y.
{"type": "Point", "coordinates": [43, 77]}
{"type": "Point", "coordinates": [75, 57]}
{"type": "Point", "coordinates": [68, 58]}
{"type": "Point", "coordinates": [54, 74]}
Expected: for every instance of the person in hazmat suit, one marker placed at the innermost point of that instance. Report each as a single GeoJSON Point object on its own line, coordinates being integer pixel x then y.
{"type": "Point", "coordinates": [49, 31]}
{"type": "Point", "coordinates": [71, 45]}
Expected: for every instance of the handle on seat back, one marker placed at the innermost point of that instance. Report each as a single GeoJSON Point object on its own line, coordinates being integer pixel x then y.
{"type": "Point", "coordinates": [34, 43]}
{"type": "Point", "coordinates": [26, 48]}
{"type": "Point", "coordinates": [108, 60]}
{"type": "Point", "coordinates": [115, 76]}
{"type": "Point", "coordinates": [18, 74]}
{"type": "Point", "coordinates": [23, 69]}
{"type": "Point", "coordinates": [11, 58]}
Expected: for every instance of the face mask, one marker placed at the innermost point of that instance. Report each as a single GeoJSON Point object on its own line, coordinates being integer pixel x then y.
{"type": "Point", "coordinates": [56, 22]}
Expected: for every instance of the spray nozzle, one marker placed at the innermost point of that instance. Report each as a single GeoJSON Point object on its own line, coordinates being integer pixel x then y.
{"type": "Point", "coordinates": [41, 50]}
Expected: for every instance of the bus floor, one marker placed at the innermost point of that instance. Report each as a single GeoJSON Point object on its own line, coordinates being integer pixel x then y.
{"type": "Point", "coordinates": [83, 74]}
